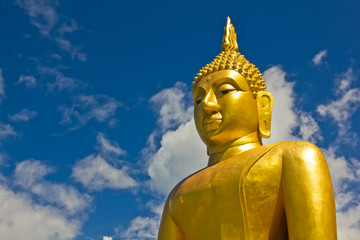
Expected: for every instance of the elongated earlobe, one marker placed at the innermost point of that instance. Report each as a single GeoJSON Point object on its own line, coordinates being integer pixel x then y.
{"type": "Point", "coordinates": [264, 105]}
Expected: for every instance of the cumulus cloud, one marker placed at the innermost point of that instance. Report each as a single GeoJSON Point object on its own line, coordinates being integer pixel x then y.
{"type": "Point", "coordinates": [87, 107]}
{"type": "Point", "coordinates": [58, 213]}
{"type": "Point", "coordinates": [95, 173]}
{"type": "Point", "coordinates": [2, 85]}
{"type": "Point", "coordinates": [21, 218]}
{"type": "Point", "coordinates": [319, 57]}
{"type": "Point", "coordinates": [29, 81]}
{"type": "Point", "coordinates": [298, 124]}
{"type": "Point", "coordinates": [29, 174]}
{"type": "Point", "coordinates": [344, 175]}
{"type": "Point", "coordinates": [348, 223]}
{"type": "Point", "coordinates": [171, 106]}
{"type": "Point", "coordinates": [24, 115]}
{"type": "Point", "coordinates": [281, 127]}
{"type": "Point", "coordinates": [181, 154]}
{"type": "Point", "coordinates": [107, 238]}
{"type": "Point", "coordinates": [99, 171]}
{"type": "Point", "coordinates": [339, 168]}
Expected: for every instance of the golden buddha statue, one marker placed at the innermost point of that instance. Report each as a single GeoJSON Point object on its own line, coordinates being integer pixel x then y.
{"type": "Point", "coordinates": [248, 191]}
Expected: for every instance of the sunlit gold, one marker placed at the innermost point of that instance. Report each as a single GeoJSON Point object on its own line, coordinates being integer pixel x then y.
{"type": "Point", "coordinates": [248, 191]}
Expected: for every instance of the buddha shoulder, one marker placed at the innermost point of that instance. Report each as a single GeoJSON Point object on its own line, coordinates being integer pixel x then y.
{"type": "Point", "coordinates": [300, 154]}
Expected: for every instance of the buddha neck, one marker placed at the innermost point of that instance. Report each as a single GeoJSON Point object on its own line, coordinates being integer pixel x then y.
{"type": "Point", "coordinates": [221, 153]}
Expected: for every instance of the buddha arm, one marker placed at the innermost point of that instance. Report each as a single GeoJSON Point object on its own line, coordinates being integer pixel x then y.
{"type": "Point", "coordinates": [308, 194]}
{"type": "Point", "coordinates": [168, 229]}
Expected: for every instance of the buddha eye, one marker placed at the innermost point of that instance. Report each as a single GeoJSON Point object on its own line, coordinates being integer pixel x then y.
{"type": "Point", "coordinates": [199, 94]}
{"type": "Point", "coordinates": [223, 92]}
{"type": "Point", "coordinates": [225, 89]}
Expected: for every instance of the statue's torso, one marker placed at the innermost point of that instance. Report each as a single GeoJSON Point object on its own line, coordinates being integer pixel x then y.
{"type": "Point", "coordinates": [238, 198]}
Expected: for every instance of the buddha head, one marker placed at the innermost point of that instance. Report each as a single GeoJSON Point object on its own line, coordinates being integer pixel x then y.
{"type": "Point", "coordinates": [230, 97]}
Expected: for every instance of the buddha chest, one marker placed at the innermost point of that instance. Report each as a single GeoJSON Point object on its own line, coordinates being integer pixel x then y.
{"type": "Point", "coordinates": [238, 198]}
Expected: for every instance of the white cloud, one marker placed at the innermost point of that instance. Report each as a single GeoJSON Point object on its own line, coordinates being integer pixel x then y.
{"type": "Point", "coordinates": [142, 228]}
{"type": "Point", "coordinates": [309, 129]}
{"type": "Point", "coordinates": [29, 81]}
{"type": "Point", "coordinates": [88, 107]}
{"type": "Point", "coordinates": [68, 27]}
{"type": "Point", "coordinates": [66, 45]}
{"type": "Point", "coordinates": [344, 80]}
{"type": "Point", "coordinates": [29, 174]}
{"type": "Point", "coordinates": [281, 127]}
{"type": "Point", "coordinates": [106, 146]}
{"type": "Point", "coordinates": [60, 81]}
{"type": "Point", "coordinates": [348, 223]}
{"type": "Point", "coordinates": [181, 154]}
{"type": "Point", "coordinates": [2, 85]}
{"type": "Point", "coordinates": [343, 175]}
{"type": "Point", "coordinates": [6, 130]}
{"type": "Point", "coordinates": [181, 150]}
{"type": "Point", "coordinates": [21, 218]}
{"type": "Point", "coordinates": [107, 238]}
{"type": "Point", "coordinates": [339, 168]}
{"type": "Point", "coordinates": [30, 171]}
{"type": "Point", "coordinates": [24, 115]}
{"type": "Point", "coordinates": [319, 57]}
{"type": "Point", "coordinates": [171, 106]}
{"type": "Point", "coordinates": [341, 109]}
{"type": "Point", "coordinates": [44, 16]}
{"type": "Point", "coordinates": [3, 158]}
{"type": "Point", "coordinates": [95, 173]}
{"type": "Point", "coordinates": [42, 13]}
{"type": "Point", "coordinates": [58, 215]}
{"type": "Point", "coordinates": [298, 124]}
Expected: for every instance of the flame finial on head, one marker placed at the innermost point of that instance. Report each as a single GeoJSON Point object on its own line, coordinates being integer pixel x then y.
{"type": "Point", "coordinates": [231, 59]}
{"type": "Point", "coordinates": [229, 39]}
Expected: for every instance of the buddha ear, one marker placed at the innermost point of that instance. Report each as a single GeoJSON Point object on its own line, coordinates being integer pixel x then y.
{"type": "Point", "coordinates": [264, 106]}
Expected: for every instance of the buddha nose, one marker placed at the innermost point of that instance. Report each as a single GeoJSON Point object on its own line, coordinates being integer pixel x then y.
{"type": "Point", "coordinates": [211, 105]}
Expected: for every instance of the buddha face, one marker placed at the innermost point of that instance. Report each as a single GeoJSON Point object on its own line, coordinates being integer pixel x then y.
{"type": "Point", "coordinates": [225, 109]}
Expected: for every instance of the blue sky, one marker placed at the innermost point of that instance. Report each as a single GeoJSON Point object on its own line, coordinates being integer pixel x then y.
{"type": "Point", "coordinates": [96, 115]}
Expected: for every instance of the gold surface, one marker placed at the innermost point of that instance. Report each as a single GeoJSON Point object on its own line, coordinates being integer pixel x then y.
{"type": "Point", "coordinates": [247, 191]}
